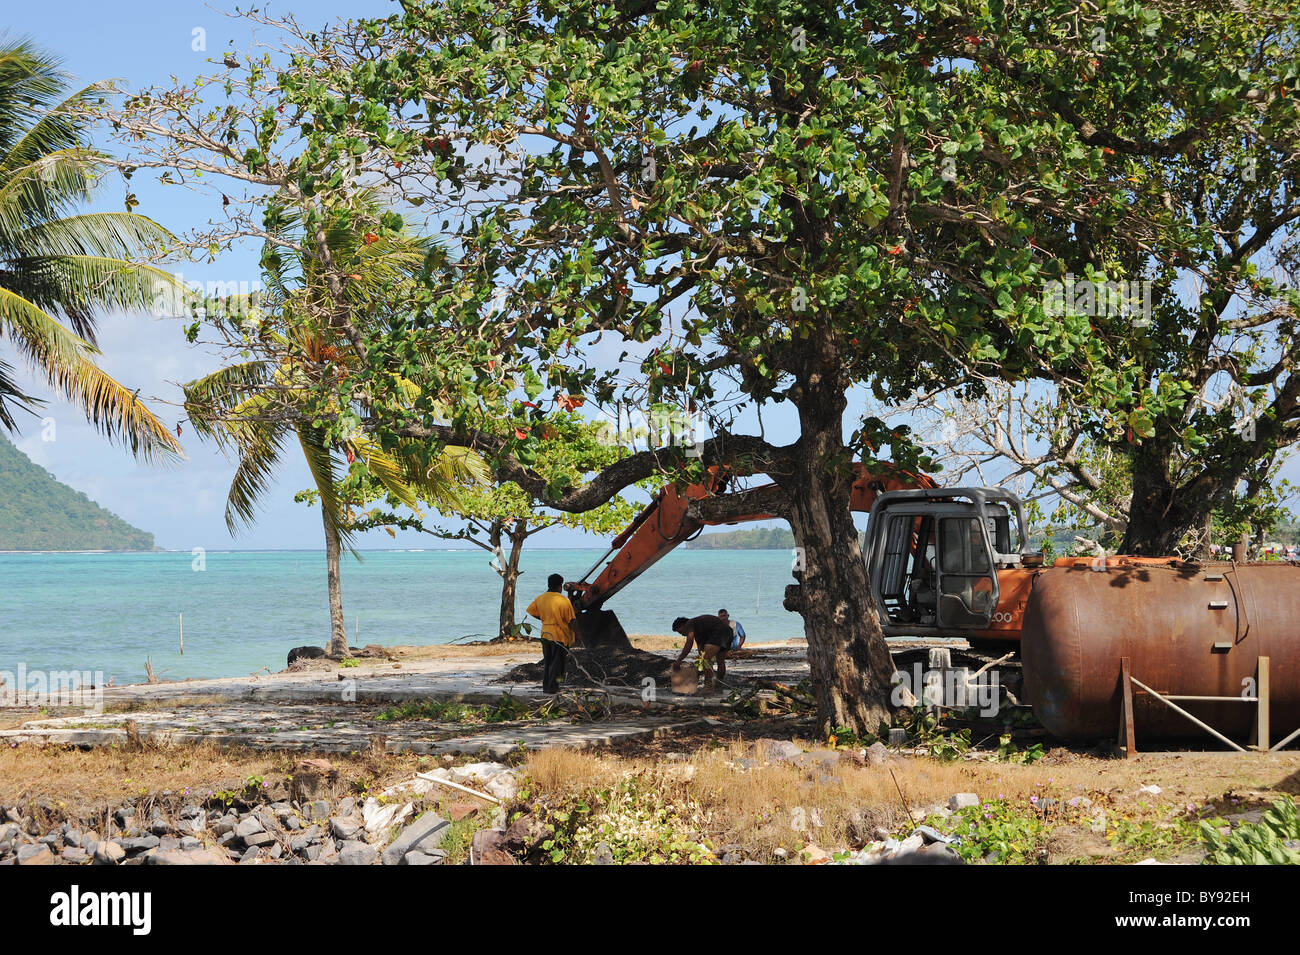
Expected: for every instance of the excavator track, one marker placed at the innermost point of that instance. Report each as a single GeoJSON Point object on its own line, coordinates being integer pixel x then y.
{"type": "Point", "coordinates": [1000, 661]}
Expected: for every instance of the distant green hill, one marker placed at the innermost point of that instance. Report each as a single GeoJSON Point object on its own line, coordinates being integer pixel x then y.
{"type": "Point", "coordinates": [757, 538]}
{"type": "Point", "coordinates": [39, 513]}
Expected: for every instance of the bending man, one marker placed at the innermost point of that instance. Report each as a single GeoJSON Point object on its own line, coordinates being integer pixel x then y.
{"type": "Point", "coordinates": [714, 637]}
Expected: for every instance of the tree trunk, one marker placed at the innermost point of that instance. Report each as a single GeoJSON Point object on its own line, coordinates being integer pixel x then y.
{"type": "Point", "coordinates": [510, 578]}
{"type": "Point", "coordinates": [1161, 514]}
{"type": "Point", "coordinates": [338, 648]}
{"type": "Point", "coordinates": [850, 662]}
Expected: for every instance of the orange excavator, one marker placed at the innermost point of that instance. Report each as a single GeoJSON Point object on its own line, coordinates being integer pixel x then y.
{"type": "Point", "coordinates": [955, 562]}
{"type": "Point", "coordinates": [943, 562]}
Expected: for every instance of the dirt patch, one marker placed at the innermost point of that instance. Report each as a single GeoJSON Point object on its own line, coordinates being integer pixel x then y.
{"type": "Point", "coordinates": [1074, 844]}
{"type": "Point", "coordinates": [611, 666]}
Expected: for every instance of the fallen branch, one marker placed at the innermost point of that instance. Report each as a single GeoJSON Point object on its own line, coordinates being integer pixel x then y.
{"type": "Point", "coordinates": [991, 664]}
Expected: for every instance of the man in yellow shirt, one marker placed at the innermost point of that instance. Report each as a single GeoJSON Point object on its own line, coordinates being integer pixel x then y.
{"type": "Point", "coordinates": [555, 611]}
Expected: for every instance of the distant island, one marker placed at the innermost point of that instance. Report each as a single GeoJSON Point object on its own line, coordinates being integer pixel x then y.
{"type": "Point", "coordinates": [757, 538]}
{"type": "Point", "coordinates": [38, 513]}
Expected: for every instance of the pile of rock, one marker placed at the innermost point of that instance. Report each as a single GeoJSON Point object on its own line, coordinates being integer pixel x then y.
{"type": "Point", "coordinates": [391, 829]}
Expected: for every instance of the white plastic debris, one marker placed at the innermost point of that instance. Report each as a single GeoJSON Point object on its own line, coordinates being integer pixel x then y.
{"type": "Point", "coordinates": [414, 785]}
{"type": "Point", "coordinates": [379, 818]}
{"type": "Point", "coordinates": [503, 785]}
{"type": "Point", "coordinates": [476, 772]}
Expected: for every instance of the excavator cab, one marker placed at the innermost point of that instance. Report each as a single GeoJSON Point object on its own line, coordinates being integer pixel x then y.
{"type": "Point", "coordinates": [933, 557]}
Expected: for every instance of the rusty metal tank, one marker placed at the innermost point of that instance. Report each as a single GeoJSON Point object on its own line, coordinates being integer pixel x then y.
{"type": "Point", "coordinates": [1187, 629]}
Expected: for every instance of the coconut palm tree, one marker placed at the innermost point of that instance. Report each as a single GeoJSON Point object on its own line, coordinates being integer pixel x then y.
{"type": "Point", "coordinates": [255, 408]}
{"type": "Point", "coordinates": [60, 268]}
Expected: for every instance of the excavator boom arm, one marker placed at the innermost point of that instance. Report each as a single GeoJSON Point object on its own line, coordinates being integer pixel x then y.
{"type": "Point", "coordinates": [665, 523]}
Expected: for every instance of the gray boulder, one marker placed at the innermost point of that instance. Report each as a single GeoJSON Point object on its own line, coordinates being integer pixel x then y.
{"type": "Point", "coordinates": [109, 852]}
{"type": "Point", "coordinates": [140, 844]}
{"type": "Point", "coordinates": [358, 853]}
{"type": "Point", "coordinates": [424, 834]}
{"type": "Point", "coordinates": [249, 826]}
{"type": "Point", "coordinates": [345, 828]}
{"type": "Point", "coordinates": [432, 857]}
{"type": "Point", "coordinates": [38, 854]}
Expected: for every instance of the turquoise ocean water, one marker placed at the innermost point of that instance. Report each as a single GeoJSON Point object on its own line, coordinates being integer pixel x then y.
{"type": "Point", "coordinates": [246, 610]}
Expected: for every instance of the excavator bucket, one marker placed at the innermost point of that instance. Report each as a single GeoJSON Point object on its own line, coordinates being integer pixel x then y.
{"type": "Point", "coordinates": [600, 628]}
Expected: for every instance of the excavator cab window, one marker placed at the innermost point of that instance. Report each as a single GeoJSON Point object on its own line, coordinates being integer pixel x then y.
{"type": "Point", "coordinates": [934, 555]}
{"type": "Point", "coordinates": [909, 584]}
{"type": "Point", "coordinates": [1004, 536]}
{"type": "Point", "coordinates": [967, 585]}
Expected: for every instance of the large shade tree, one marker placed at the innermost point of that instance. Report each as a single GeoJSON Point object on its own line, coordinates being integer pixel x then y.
{"type": "Point", "coordinates": [781, 202]}
{"type": "Point", "coordinates": [1215, 318]}
{"type": "Point", "coordinates": [61, 268]}
{"type": "Point", "coordinates": [785, 201]}
{"type": "Point", "coordinates": [762, 204]}
{"type": "Point", "coordinates": [1209, 322]}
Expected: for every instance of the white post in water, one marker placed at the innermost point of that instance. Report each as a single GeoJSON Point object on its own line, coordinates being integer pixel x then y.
{"type": "Point", "coordinates": [182, 618]}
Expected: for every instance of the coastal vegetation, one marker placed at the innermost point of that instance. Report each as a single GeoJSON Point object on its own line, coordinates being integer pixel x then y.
{"type": "Point", "coordinates": [499, 517]}
{"type": "Point", "coordinates": [268, 395]}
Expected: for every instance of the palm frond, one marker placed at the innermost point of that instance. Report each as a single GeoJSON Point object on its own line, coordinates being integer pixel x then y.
{"type": "Point", "coordinates": [67, 360]}
{"type": "Point", "coordinates": [117, 235]}
{"type": "Point", "coordinates": [210, 398]}
{"type": "Point", "coordinates": [30, 79]}
{"type": "Point", "coordinates": [79, 286]}
{"type": "Point", "coordinates": [38, 335]}
{"type": "Point", "coordinates": [385, 468]}
{"type": "Point", "coordinates": [49, 188]}
{"type": "Point", "coordinates": [454, 470]}
{"type": "Point", "coordinates": [259, 456]}
{"type": "Point", "coordinates": [62, 127]}
{"type": "Point", "coordinates": [12, 397]}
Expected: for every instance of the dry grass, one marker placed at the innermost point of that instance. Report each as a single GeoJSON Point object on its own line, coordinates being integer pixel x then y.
{"type": "Point", "coordinates": [761, 806]}
{"type": "Point", "coordinates": [109, 775]}
{"type": "Point", "coordinates": [780, 804]}
{"type": "Point", "coordinates": [12, 717]}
